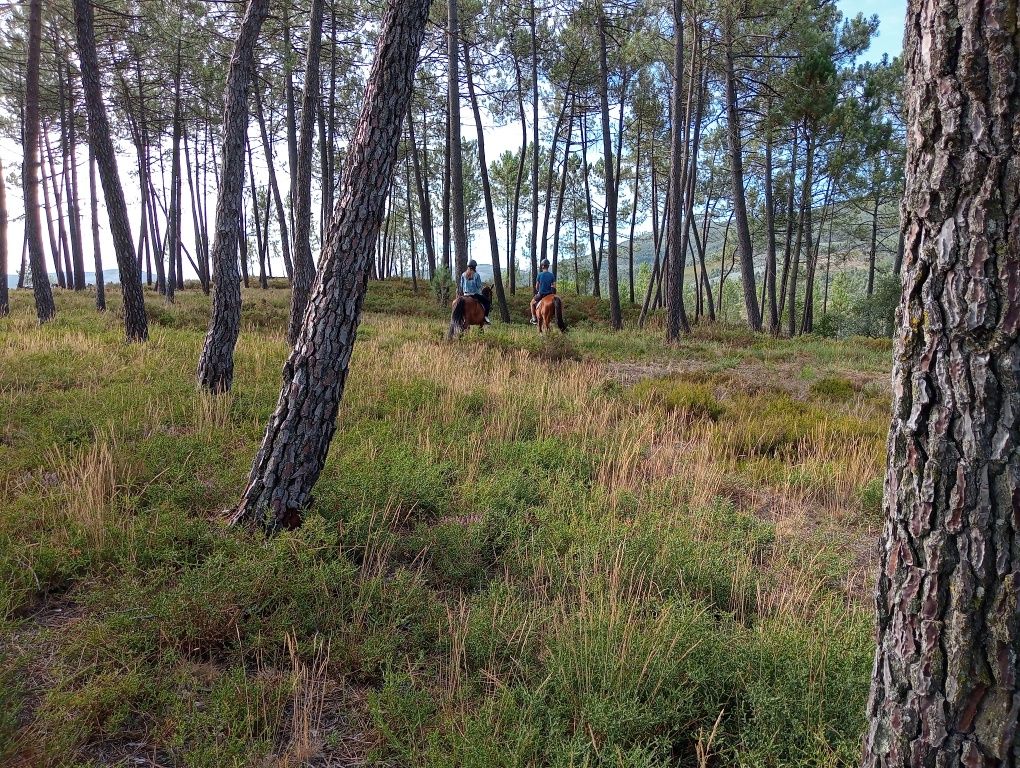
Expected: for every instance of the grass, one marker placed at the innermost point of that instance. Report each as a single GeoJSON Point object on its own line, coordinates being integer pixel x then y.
{"type": "Point", "coordinates": [584, 550]}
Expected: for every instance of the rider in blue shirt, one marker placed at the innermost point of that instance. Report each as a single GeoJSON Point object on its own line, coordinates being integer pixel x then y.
{"type": "Point", "coordinates": [471, 285]}
{"type": "Point", "coordinates": [545, 285]}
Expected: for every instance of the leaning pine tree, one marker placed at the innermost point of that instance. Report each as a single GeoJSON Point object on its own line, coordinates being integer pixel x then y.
{"type": "Point", "coordinates": [216, 364]}
{"type": "Point", "coordinates": [297, 439]}
{"type": "Point", "coordinates": [946, 684]}
{"type": "Point", "coordinates": [136, 323]}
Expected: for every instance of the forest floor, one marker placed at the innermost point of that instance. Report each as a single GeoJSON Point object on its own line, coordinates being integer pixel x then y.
{"type": "Point", "coordinates": [584, 550]}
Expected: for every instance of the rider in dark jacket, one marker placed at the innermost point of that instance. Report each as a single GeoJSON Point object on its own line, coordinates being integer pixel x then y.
{"type": "Point", "coordinates": [545, 285]}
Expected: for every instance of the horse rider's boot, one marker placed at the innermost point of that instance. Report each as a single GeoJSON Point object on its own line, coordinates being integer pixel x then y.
{"type": "Point", "coordinates": [487, 320]}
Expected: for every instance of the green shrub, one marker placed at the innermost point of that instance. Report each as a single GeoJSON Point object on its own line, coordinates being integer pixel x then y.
{"type": "Point", "coordinates": [833, 388]}
{"type": "Point", "coordinates": [677, 393]}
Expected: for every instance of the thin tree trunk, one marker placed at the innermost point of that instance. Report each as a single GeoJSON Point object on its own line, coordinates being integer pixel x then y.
{"type": "Point", "coordinates": [744, 247]}
{"type": "Point", "coordinates": [612, 257]}
{"type": "Point", "coordinates": [216, 365]}
{"type": "Point", "coordinates": [97, 253]}
{"type": "Point", "coordinates": [101, 145]}
{"type": "Point", "coordinates": [301, 429]}
{"type": "Point", "coordinates": [290, 107]}
{"type": "Point", "coordinates": [490, 213]}
{"type": "Point", "coordinates": [304, 263]}
{"type": "Point", "coordinates": [5, 302]}
{"type": "Point", "coordinates": [535, 145]}
{"type": "Point", "coordinates": [945, 685]}
{"type": "Point", "coordinates": [459, 216]}
{"type": "Point", "coordinates": [595, 264]}
{"type": "Point", "coordinates": [267, 146]}
{"type": "Point", "coordinates": [44, 307]}
{"type": "Point", "coordinates": [55, 249]}
{"type": "Point", "coordinates": [771, 295]}
{"type": "Point", "coordinates": [551, 176]}
{"type": "Point", "coordinates": [71, 185]}
{"type": "Point", "coordinates": [515, 218]}
{"type": "Point", "coordinates": [676, 313]}
{"type": "Point", "coordinates": [790, 207]}
{"type": "Point", "coordinates": [563, 191]}
{"type": "Point", "coordinates": [424, 204]}
{"type": "Point", "coordinates": [873, 245]}
{"type": "Point", "coordinates": [633, 215]}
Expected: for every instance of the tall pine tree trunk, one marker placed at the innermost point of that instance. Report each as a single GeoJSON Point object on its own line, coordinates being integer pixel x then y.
{"type": "Point", "coordinates": [44, 307]}
{"type": "Point", "coordinates": [301, 429]}
{"type": "Point", "coordinates": [458, 215]}
{"type": "Point", "coordinates": [216, 365]}
{"type": "Point", "coordinates": [304, 264]}
{"type": "Point", "coordinates": [5, 306]}
{"type": "Point", "coordinates": [946, 684]}
{"type": "Point", "coordinates": [97, 252]}
{"type": "Point", "coordinates": [490, 212]}
{"type": "Point", "coordinates": [744, 247]}
{"type": "Point", "coordinates": [612, 196]}
{"type": "Point", "coordinates": [676, 313]}
{"type": "Point", "coordinates": [136, 323]}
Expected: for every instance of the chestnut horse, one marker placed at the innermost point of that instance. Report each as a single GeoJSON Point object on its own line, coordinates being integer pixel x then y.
{"type": "Point", "coordinates": [547, 307]}
{"type": "Point", "coordinates": [467, 312]}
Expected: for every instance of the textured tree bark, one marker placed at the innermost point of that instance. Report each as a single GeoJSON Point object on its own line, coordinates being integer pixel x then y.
{"type": "Point", "coordinates": [945, 688]}
{"type": "Point", "coordinates": [216, 364]}
{"type": "Point", "coordinates": [458, 214]}
{"type": "Point", "coordinates": [136, 323]}
{"type": "Point", "coordinates": [5, 306]}
{"type": "Point", "coordinates": [297, 439]}
{"type": "Point", "coordinates": [744, 247]}
{"type": "Point", "coordinates": [533, 21]}
{"type": "Point", "coordinates": [44, 307]}
{"type": "Point", "coordinates": [304, 264]}
{"type": "Point", "coordinates": [490, 213]}
{"type": "Point", "coordinates": [612, 197]}
{"type": "Point", "coordinates": [676, 313]}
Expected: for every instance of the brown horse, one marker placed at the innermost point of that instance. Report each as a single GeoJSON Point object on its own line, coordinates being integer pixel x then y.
{"type": "Point", "coordinates": [467, 312]}
{"type": "Point", "coordinates": [547, 307]}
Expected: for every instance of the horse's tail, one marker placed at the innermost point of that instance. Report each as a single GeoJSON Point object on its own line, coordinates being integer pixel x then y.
{"type": "Point", "coordinates": [558, 303]}
{"type": "Point", "coordinates": [457, 318]}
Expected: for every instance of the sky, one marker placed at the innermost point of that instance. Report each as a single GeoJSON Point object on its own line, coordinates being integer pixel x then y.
{"type": "Point", "coordinates": [889, 41]}
{"type": "Point", "coordinates": [892, 19]}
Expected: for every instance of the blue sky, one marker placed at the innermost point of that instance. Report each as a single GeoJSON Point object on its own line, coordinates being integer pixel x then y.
{"type": "Point", "coordinates": [891, 14]}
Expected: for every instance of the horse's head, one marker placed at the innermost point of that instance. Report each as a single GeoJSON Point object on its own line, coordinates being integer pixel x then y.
{"type": "Point", "coordinates": [487, 292]}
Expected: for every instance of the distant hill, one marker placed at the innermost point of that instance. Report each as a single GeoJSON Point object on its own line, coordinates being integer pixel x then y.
{"type": "Point", "coordinates": [109, 276]}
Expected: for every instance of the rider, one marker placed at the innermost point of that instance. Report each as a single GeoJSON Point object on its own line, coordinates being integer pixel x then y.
{"type": "Point", "coordinates": [545, 285]}
{"type": "Point", "coordinates": [471, 285]}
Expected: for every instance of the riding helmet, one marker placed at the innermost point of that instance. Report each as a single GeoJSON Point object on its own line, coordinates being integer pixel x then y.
{"type": "Point", "coordinates": [545, 262]}
{"type": "Point", "coordinates": [472, 264]}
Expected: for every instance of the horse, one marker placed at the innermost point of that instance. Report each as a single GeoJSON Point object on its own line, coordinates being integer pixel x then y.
{"type": "Point", "coordinates": [545, 309]}
{"type": "Point", "coordinates": [467, 312]}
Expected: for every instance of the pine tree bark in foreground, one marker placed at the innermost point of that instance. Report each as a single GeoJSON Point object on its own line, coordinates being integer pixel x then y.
{"type": "Point", "coordinates": [300, 430]}
{"type": "Point", "coordinates": [945, 690]}
{"type": "Point", "coordinates": [136, 322]}
{"type": "Point", "coordinates": [304, 264]}
{"type": "Point", "coordinates": [216, 364]}
{"type": "Point", "coordinates": [44, 307]}
{"type": "Point", "coordinates": [5, 306]}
